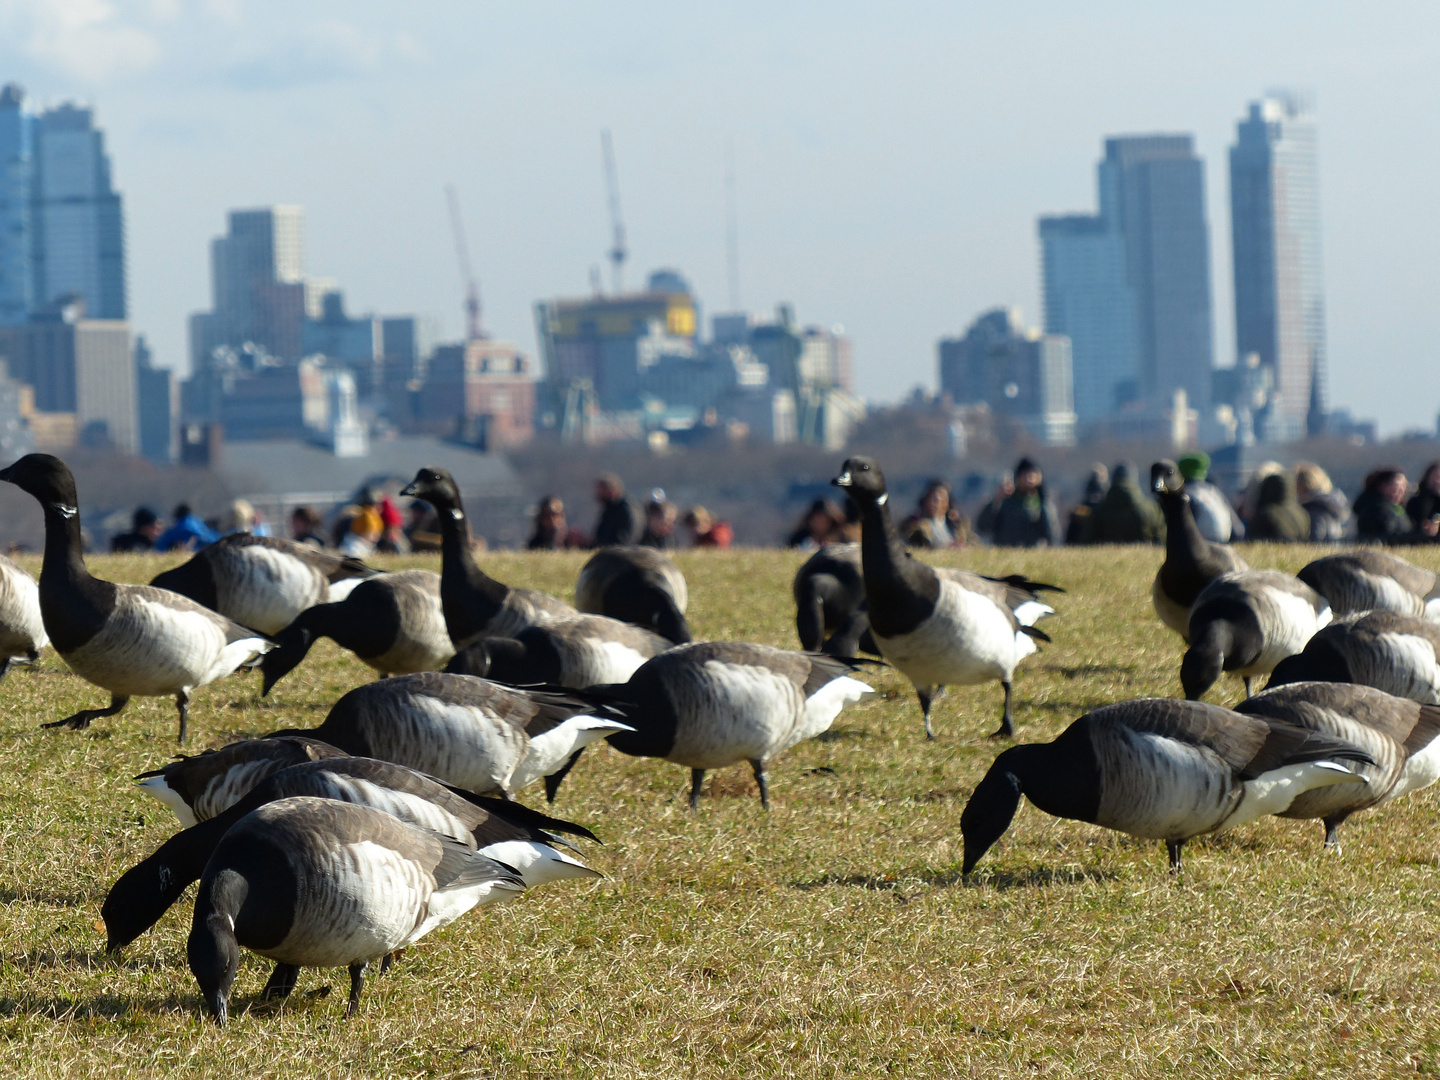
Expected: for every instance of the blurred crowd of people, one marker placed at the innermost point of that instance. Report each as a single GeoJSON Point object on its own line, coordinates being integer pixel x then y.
{"type": "Point", "coordinates": [619, 522]}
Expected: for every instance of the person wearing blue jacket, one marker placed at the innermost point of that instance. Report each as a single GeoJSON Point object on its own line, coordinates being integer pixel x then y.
{"type": "Point", "coordinates": [188, 533]}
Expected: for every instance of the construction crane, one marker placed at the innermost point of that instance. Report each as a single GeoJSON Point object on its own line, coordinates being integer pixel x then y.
{"type": "Point", "coordinates": [617, 247]}
{"type": "Point", "coordinates": [467, 272]}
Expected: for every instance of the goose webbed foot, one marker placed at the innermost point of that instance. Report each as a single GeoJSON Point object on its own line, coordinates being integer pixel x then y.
{"type": "Point", "coordinates": [1173, 848]}
{"type": "Point", "coordinates": [357, 984]}
{"type": "Point", "coordinates": [763, 779]}
{"type": "Point", "coordinates": [697, 778]}
{"type": "Point", "coordinates": [281, 982]}
{"type": "Point", "coordinates": [81, 720]}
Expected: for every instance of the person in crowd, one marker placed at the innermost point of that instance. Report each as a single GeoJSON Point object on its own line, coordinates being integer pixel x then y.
{"type": "Point", "coordinates": [393, 540]}
{"type": "Point", "coordinates": [188, 532]}
{"type": "Point", "coordinates": [305, 527]}
{"type": "Point", "coordinates": [1214, 516]}
{"type": "Point", "coordinates": [935, 523]}
{"type": "Point", "coordinates": [706, 530]}
{"type": "Point", "coordinates": [1424, 506]}
{"type": "Point", "coordinates": [985, 519]}
{"type": "Point", "coordinates": [239, 518]}
{"type": "Point", "coordinates": [1250, 497]}
{"type": "Point", "coordinates": [660, 518]}
{"type": "Point", "coordinates": [616, 524]}
{"type": "Point", "coordinates": [363, 525]}
{"type": "Point", "coordinates": [423, 528]}
{"type": "Point", "coordinates": [1278, 516]}
{"type": "Point", "coordinates": [1380, 511]}
{"type": "Point", "coordinates": [145, 528]}
{"type": "Point", "coordinates": [818, 527]}
{"type": "Point", "coordinates": [551, 532]}
{"type": "Point", "coordinates": [1126, 515]}
{"type": "Point", "coordinates": [1327, 506]}
{"type": "Point", "coordinates": [1095, 487]}
{"type": "Point", "coordinates": [1027, 518]}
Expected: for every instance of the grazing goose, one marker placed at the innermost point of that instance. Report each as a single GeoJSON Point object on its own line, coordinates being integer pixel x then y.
{"type": "Point", "coordinates": [475, 604]}
{"type": "Point", "coordinates": [1399, 654]}
{"type": "Point", "coordinates": [132, 640]}
{"type": "Point", "coordinates": [522, 839]}
{"type": "Point", "coordinates": [1398, 734]}
{"type": "Point", "coordinates": [1366, 580]}
{"type": "Point", "coordinates": [317, 883]}
{"type": "Point", "coordinates": [262, 582]}
{"type": "Point", "coordinates": [829, 592]}
{"type": "Point", "coordinates": [712, 704]}
{"type": "Point", "coordinates": [1247, 622]}
{"type": "Point", "coordinates": [465, 731]}
{"type": "Point", "coordinates": [1158, 769]}
{"type": "Point", "coordinates": [22, 629]}
{"type": "Point", "coordinates": [1191, 561]}
{"type": "Point", "coordinates": [393, 622]}
{"type": "Point", "coordinates": [939, 627]}
{"type": "Point", "coordinates": [637, 585]}
{"type": "Point", "coordinates": [200, 786]}
{"type": "Point", "coordinates": [576, 653]}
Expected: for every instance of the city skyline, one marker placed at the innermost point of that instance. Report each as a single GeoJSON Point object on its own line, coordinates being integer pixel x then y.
{"type": "Point", "coordinates": [847, 207]}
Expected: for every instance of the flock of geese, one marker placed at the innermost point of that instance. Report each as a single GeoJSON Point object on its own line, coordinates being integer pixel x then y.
{"type": "Point", "coordinates": [343, 844]}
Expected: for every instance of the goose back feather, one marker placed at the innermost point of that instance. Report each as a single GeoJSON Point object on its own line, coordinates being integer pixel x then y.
{"type": "Point", "coordinates": [22, 628]}
{"type": "Point", "coordinates": [1366, 580]}
{"type": "Point", "coordinates": [1399, 654]}
{"type": "Point", "coordinates": [638, 585]}
{"type": "Point", "coordinates": [574, 653]}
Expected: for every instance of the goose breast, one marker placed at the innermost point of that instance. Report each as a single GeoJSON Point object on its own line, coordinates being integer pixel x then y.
{"type": "Point", "coordinates": [967, 639]}
{"type": "Point", "coordinates": [150, 646]}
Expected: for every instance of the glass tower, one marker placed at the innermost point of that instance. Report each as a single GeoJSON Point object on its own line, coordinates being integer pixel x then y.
{"type": "Point", "coordinates": [1275, 231]}
{"type": "Point", "coordinates": [15, 173]}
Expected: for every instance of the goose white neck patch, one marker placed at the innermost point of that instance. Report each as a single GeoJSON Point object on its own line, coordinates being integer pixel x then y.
{"type": "Point", "coordinates": [64, 510]}
{"type": "Point", "coordinates": [883, 499]}
{"type": "Point", "coordinates": [455, 513]}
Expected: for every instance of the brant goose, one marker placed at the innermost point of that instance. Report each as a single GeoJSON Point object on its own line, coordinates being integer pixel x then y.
{"type": "Point", "coordinates": [465, 731]}
{"type": "Point", "coordinates": [475, 604]}
{"type": "Point", "coordinates": [1158, 769]}
{"type": "Point", "coordinates": [636, 585]}
{"type": "Point", "coordinates": [1399, 654]}
{"type": "Point", "coordinates": [710, 704]}
{"type": "Point", "coordinates": [132, 640]}
{"type": "Point", "coordinates": [312, 882]}
{"type": "Point", "coordinates": [829, 592]}
{"type": "Point", "coordinates": [576, 653]}
{"type": "Point", "coordinates": [521, 838]}
{"type": "Point", "coordinates": [262, 582]}
{"type": "Point", "coordinates": [199, 786]}
{"type": "Point", "coordinates": [1366, 580]}
{"type": "Point", "coordinates": [1247, 622]}
{"type": "Point", "coordinates": [393, 622]}
{"type": "Point", "coordinates": [22, 629]}
{"type": "Point", "coordinates": [1191, 561]}
{"type": "Point", "coordinates": [1398, 734]}
{"type": "Point", "coordinates": [939, 627]}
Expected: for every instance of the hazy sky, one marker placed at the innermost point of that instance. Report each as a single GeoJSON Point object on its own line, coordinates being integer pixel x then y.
{"type": "Point", "coordinates": [890, 159]}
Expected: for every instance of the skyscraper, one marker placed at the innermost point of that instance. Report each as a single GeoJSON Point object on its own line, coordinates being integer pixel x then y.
{"type": "Point", "coordinates": [257, 274]}
{"type": "Point", "coordinates": [16, 280]}
{"type": "Point", "coordinates": [1130, 286]}
{"type": "Point", "coordinates": [1275, 230]}
{"type": "Point", "coordinates": [77, 231]}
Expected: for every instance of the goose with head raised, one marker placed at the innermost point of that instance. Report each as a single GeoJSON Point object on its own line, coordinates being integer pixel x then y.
{"type": "Point", "coordinates": [939, 627]}
{"type": "Point", "coordinates": [132, 640]}
{"type": "Point", "coordinates": [476, 605]}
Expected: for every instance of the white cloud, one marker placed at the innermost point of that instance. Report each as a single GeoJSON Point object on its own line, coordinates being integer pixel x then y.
{"type": "Point", "coordinates": [90, 40]}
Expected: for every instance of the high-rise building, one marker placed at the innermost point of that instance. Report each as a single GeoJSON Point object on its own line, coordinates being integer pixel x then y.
{"type": "Point", "coordinates": [258, 287]}
{"type": "Point", "coordinates": [1275, 230]}
{"type": "Point", "coordinates": [155, 395]}
{"type": "Point", "coordinates": [16, 165]}
{"type": "Point", "coordinates": [1020, 373]}
{"type": "Point", "coordinates": [1143, 260]}
{"type": "Point", "coordinates": [77, 231]}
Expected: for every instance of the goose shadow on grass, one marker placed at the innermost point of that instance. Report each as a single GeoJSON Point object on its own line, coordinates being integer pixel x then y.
{"type": "Point", "coordinates": [1038, 877]}
{"type": "Point", "coordinates": [115, 1006]}
{"type": "Point", "coordinates": [14, 893]}
{"type": "Point", "coordinates": [1077, 671]}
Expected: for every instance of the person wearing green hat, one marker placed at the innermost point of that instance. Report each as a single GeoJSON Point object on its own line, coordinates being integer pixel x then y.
{"type": "Point", "coordinates": [1214, 516]}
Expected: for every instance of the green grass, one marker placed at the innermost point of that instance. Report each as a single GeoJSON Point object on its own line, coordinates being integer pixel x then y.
{"type": "Point", "coordinates": [831, 937]}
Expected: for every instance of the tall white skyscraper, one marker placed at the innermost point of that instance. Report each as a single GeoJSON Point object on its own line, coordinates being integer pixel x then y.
{"type": "Point", "coordinates": [1275, 230]}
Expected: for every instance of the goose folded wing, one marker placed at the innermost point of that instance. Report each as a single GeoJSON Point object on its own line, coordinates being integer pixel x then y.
{"type": "Point", "coordinates": [460, 868]}
{"type": "Point", "coordinates": [1406, 722]}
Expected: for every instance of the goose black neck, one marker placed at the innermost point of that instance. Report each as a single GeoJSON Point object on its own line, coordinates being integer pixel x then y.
{"type": "Point", "coordinates": [64, 561]}
{"type": "Point", "coordinates": [1184, 543]}
{"type": "Point", "coordinates": [881, 550]}
{"type": "Point", "coordinates": [457, 559]}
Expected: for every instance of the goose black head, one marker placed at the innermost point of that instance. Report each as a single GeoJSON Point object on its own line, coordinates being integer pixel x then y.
{"type": "Point", "coordinates": [989, 812]}
{"type": "Point", "coordinates": [1203, 663]}
{"type": "Point", "coordinates": [1165, 478]}
{"type": "Point", "coordinates": [862, 480]}
{"type": "Point", "coordinates": [293, 646]}
{"type": "Point", "coordinates": [435, 486]}
{"type": "Point", "coordinates": [48, 479]}
{"type": "Point", "coordinates": [214, 956]}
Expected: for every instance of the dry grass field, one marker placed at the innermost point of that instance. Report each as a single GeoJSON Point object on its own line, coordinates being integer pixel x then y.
{"type": "Point", "coordinates": [831, 937]}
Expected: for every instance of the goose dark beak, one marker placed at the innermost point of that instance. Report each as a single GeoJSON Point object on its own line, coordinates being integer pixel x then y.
{"type": "Point", "coordinates": [843, 480]}
{"type": "Point", "coordinates": [5, 473]}
{"type": "Point", "coordinates": [409, 490]}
